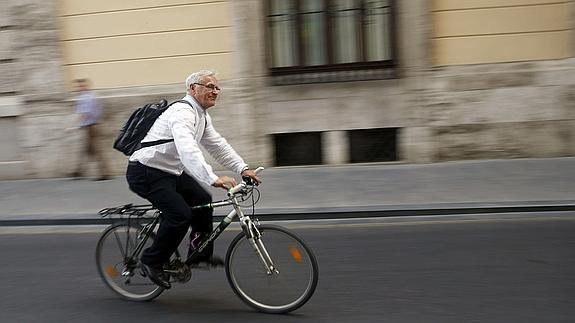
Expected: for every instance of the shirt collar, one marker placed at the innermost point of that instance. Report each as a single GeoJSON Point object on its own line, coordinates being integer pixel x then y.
{"type": "Point", "coordinates": [194, 103]}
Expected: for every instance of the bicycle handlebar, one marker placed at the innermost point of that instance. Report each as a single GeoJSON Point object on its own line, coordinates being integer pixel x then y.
{"type": "Point", "coordinates": [243, 184]}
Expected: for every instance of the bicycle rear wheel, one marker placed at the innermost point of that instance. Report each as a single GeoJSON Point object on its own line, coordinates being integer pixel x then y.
{"type": "Point", "coordinates": [281, 292]}
{"type": "Point", "coordinates": [119, 271]}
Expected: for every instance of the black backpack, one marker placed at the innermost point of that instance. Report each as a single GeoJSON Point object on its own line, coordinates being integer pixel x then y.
{"type": "Point", "coordinates": [130, 137]}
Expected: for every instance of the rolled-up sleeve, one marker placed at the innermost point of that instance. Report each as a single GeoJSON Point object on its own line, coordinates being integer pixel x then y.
{"type": "Point", "coordinates": [183, 124]}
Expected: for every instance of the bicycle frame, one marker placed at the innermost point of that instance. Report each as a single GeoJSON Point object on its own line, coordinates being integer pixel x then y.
{"type": "Point", "coordinates": [247, 225]}
{"type": "Point", "coordinates": [148, 228]}
{"type": "Point", "coordinates": [252, 233]}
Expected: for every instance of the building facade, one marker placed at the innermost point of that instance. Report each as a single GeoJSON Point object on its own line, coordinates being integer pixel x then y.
{"type": "Point", "coordinates": [306, 82]}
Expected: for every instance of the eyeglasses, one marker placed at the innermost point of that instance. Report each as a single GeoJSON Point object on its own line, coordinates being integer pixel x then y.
{"type": "Point", "coordinates": [211, 87]}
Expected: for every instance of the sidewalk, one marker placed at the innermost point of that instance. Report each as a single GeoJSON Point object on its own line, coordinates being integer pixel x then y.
{"type": "Point", "coordinates": [302, 192]}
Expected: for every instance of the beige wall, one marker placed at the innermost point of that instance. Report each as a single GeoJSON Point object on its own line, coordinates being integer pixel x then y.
{"type": "Point", "coordinates": [493, 31]}
{"type": "Point", "coordinates": [141, 43]}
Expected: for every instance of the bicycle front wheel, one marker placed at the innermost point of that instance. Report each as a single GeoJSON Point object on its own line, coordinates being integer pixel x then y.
{"type": "Point", "coordinates": [285, 290]}
{"type": "Point", "coordinates": [119, 267]}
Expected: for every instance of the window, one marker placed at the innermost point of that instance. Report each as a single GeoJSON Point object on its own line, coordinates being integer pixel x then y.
{"type": "Point", "coordinates": [300, 148]}
{"type": "Point", "coordinates": [281, 27]}
{"type": "Point", "coordinates": [330, 40]}
{"type": "Point", "coordinates": [373, 145]}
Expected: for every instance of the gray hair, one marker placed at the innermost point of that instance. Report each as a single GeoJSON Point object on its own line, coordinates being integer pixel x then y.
{"type": "Point", "coordinates": [196, 77]}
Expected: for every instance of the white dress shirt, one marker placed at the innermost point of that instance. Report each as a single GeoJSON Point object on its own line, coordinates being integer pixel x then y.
{"type": "Point", "coordinates": [189, 127]}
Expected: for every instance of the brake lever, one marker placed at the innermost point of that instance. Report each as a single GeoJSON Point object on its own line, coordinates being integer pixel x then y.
{"type": "Point", "coordinates": [248, 180]}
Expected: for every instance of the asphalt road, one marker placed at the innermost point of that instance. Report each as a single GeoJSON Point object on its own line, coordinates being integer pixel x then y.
{"type": "Point", "coordinates": [488, 268]}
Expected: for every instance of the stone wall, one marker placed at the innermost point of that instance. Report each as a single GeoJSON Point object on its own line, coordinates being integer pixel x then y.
{"type": "Point", "coordinates": [501, 110]}
{"type": "Point", "coordinates": [30, 66]}
{"type": "Point", "coordinates": [31, 86]}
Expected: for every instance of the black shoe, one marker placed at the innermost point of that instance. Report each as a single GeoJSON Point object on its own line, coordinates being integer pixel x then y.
{"type": "Point", "coordinates": [156, 275]}
{"type": "Point", "coordinates": [213, 261]}
{"type": "Point", "coordinates": [103, 178]}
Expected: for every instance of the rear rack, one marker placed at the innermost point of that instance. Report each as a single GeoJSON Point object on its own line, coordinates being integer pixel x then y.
{"type": "Point", "coordinates": [128, 211]}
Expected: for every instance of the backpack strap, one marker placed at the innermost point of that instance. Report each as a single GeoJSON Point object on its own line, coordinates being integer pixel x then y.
{"type": "Point", "coordinates": [162, 141]}
{"type": "Point", "coordinates": [155, 142]}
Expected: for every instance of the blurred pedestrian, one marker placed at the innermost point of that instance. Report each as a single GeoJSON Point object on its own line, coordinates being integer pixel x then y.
{"type": "Point", "coordinates": [90, 112]}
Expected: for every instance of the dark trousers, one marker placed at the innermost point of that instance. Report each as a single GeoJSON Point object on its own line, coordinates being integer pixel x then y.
{"type": "Point", "coordinates": [173, 195]}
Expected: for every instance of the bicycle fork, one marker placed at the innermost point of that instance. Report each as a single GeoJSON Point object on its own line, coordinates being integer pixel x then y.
{"type": "Point", "coordinates": [254, 237]}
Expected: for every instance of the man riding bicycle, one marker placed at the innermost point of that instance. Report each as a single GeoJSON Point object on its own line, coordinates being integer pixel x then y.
{"type": "Point", "coordinates": [169, 174]}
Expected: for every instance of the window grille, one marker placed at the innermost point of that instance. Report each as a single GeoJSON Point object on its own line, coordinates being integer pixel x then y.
{"type": "Point", "coordinates": [330, 40]}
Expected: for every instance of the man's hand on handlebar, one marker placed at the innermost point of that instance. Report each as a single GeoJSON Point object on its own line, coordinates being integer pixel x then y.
{"type": "Point", "coordinates": [225, 182]}
{"type": "Point", "coordinates": [250, 174]}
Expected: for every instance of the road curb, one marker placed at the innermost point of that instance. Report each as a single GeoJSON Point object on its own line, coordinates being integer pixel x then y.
{"type": "Point", "coordinates": [311, 214]}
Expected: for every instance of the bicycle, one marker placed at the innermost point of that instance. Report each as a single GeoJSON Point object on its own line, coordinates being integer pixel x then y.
{"type": "Point", "coordinates": [277, 277]}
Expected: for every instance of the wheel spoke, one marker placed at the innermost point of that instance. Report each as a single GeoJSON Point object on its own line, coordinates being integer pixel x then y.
{"type": "Point", "coordinates": [118, 269]}
{"type": "Point", "coordinates": [118, 240]}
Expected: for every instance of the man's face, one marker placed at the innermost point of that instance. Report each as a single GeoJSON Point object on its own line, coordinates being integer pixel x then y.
{"type": "Point", "coordinates": [206, 91]}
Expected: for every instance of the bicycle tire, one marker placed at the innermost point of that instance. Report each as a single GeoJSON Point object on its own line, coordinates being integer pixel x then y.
{"type": "Point", "coordinates": [276, 293]}
{"type": "Point", "coordinates": [111, 269]}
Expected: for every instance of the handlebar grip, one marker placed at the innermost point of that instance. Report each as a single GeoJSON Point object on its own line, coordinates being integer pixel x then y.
{"type": "Point", "coordinates": [236, 189]}
{"type": "Point", "coordinates": [248, 180]}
